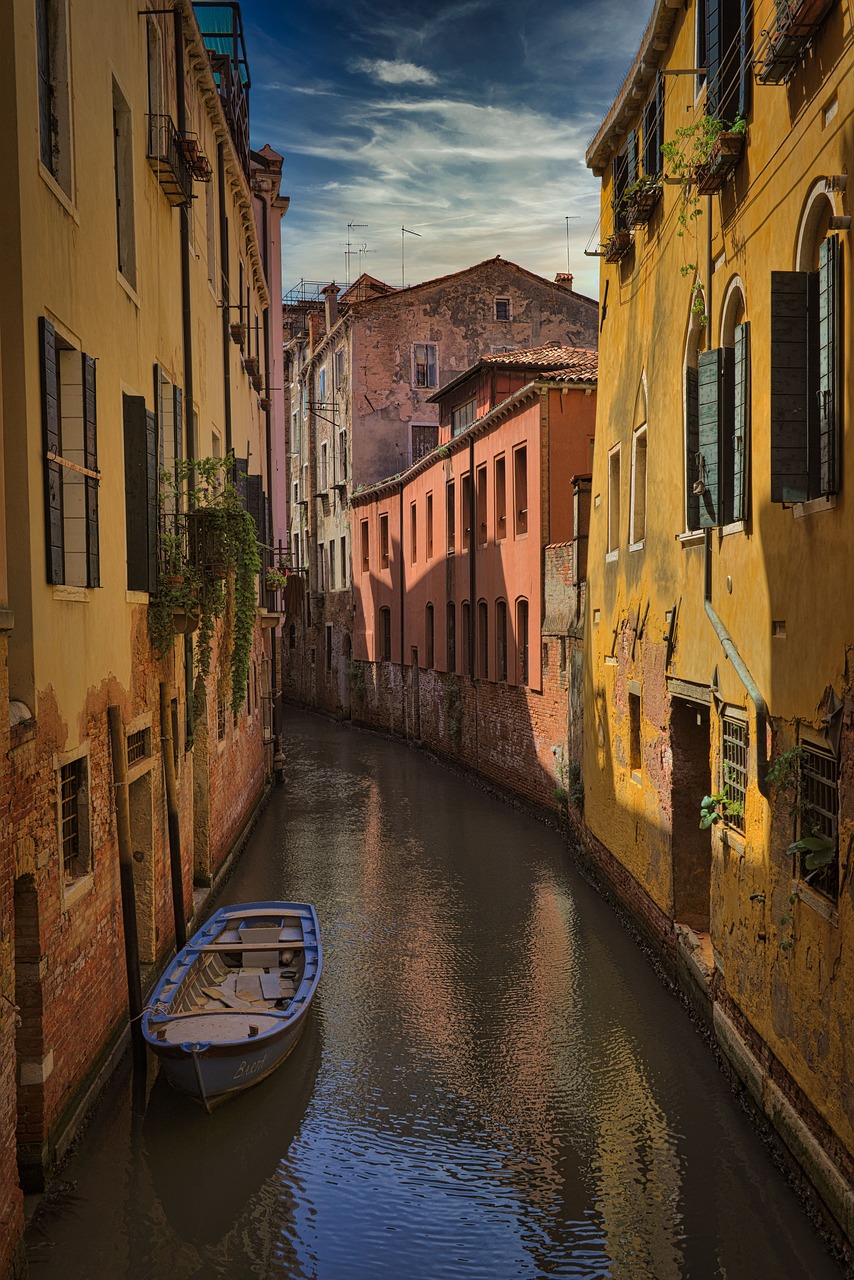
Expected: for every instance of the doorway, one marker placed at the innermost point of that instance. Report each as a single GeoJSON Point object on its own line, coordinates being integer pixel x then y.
{"type": "Point", "coordinates": [691, 848]}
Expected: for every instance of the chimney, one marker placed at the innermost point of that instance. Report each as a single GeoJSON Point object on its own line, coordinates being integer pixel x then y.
{"type": "Point", "coordinates": [330, 298]}
{"type": "Point", "coordinates": [313, 330]}
{"type": "Point", "coordinates": [564, 278]}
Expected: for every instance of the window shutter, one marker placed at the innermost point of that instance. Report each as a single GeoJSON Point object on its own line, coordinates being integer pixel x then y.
{"type": "Point", "coordinates": [619, 183]}
{"type": "Point", "coordinates": [52, 444]}
{"type": "Point", "coordinates": [741, 425]}
{"type": "Point", "coordinates": [713, 56]}
{"type": "Point", "coordinates": [692, 449]}
{"type": "Point", "coordinates": [432, 379]}
{"type": "Point", "coordinates": [90, 456]}
{"type": "Point", "coordinates": [828, 334]}
{"type": "Point", "coordinates": [790, 296]}
{"type": "Point", "coordinates": [178, 405]}
{"type": "Point", "coordinates": [255, 504]}
{"type": "Point", "coordinates": [152, 494]}
{"type": "Point", "coordinates": [632, 157]}
{"type": "Point", "coordinates": [158, 391]}
{"type": "Point", "coordinates": [134, 416]}
{"type": "Point", "coordinates": [723, 69]}
{"type": "Point", "coordinates": [709, 371]}
{"type": "Point", "coordinates": [745, 56]}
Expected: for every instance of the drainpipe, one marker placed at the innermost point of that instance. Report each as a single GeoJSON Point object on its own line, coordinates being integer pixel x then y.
{"type": "Point", "coordinates": [740, 670]}
{"type": "Point", "coordinates": [118, 750]}
{"type": "Point", "coordinates": [176, 870]}
{"type": "Point", "coordinates": [225, 294]}
{"type": "Point", "coordinates": [472, 575]}
{"type": "Point", "coordinates": [186, 314]}
{"type": "Point", "coordinates": [402, 583]}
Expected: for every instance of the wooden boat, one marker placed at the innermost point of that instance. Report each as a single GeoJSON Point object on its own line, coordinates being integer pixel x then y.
{"type": "Point", "coordinates": [233, 1003]}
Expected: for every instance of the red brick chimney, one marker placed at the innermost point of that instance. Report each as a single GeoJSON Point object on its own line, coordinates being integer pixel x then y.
{"type": "Point", "coordinates": [330, 298]}
{"type": "Point", "coordinates": [564, 279]}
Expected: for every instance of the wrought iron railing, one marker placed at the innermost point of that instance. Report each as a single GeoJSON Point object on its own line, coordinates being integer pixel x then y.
{"type": "Point", "coordinates": [168, 160]}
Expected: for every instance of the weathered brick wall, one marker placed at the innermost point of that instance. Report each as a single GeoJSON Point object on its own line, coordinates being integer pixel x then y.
{"type": "Point", "coordinates": [305, 676]}
{"type": "Point", "coordinates": [236, 764]}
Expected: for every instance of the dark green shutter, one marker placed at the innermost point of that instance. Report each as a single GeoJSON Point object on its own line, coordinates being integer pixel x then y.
{"type": "Point", "coordinates": [723, 71]}
{"type": "Point", "coordinates": [632, 158]}
{"type": "Point", "coordinates": [692, 449]}
{"type": "Point", "coordinates": [255, 503]}
{"type": "Point", "coordinates": [158, 416]}
{"type": "Point", "coordinates": [790, 412]}
{"type": "Point", "coordinates": [90, 461]}
{"type": "Point", "coordinates": [745, 56]}
{"type": "Point", "coordinates": [709, 378]}
{"type": "Point", "coordinates": [134, 417]}
{"type": "Point", "coordinates": [52, 444]}
{"type": "Point", "coordinates": [152, 495]}
{"type": "Point", "coordinates": [828, 333]}
{"type": "Point", "coordinates": [741, 424]}
{"type": "Point", "coordinates": [178, 422]}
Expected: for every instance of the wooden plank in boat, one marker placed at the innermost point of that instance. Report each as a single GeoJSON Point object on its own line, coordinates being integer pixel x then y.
{"type": "Point", "coordinates": [247, 946]}
{"type": "Point", "coordinates": [271, 986]}
{"type": "Point", "coordinates": [233, 1002]}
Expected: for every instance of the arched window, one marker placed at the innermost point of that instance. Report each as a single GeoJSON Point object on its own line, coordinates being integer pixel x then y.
{"type": "Point", "coordinates": [501, 640]}
{"type": "Point", "coordinates": [483, 639]}
{"type": "Point", "coordinates": [452, 636]}
{"type": "Point", "coordinates": [522, 673]}
{"type": "Point", "coordinates": [467, 639]}
{"type": "Point", "coordinates": [428, 635]}
{"type": "Point", "coordinates": [385, 634]}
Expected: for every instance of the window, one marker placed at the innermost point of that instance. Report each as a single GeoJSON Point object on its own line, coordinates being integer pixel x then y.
{"type": "Point", "coordinates": [480, 481]}
{"type": "Point", "coordinates": [424, 365]}
{"type": "Point", "coordinates": [635, 753]}
{"type": "Point", "coordinates": [342, 456]}
{"type": "Point", "coordinates": [724, 44]}
{"type": "Point", "coordinates": [734, 759]}
{"type": "Point", "coordinates": [343, 561]}
{"type": "Point", "coordinates": [366, 562]}
{"type": "Point", "coordinates": [70, 436]}
{"type": "Point", "coordinates": [452, 635]}
{"type": "Point", "coordinates": [701, 44]}
{"type": "Point", "coordinates": [168, 407]}
{"type": "Point", "coordinates": [614, 501]}
{"type": "Point", "coordinates": [332, 564]}
{"type": "Point", "coordinates": [429, 527]}
{"type": "Point", "coordinates": [328, 648]}
{"type": "Point", "coordinates": [428, 635]}
{"type": "Point", "coordinates": [502, 309]}
{"type": "Point", "coordinates": [653, 130]}
{"type": "Point", "coordinates": [522, 641]}
{"type": "Point", "coordinates": [323, 478]}
{"type": "Point", "coordinates": [463, 416]}
{"type": "Point", "coordinates": [211, 229]}
{"type": "Point", "coordinates": [141, 478]}
{"type": "Point", "coordinates": [413, 533]}
{"type": "Point", "coordinates": [818, 816]}
{"type": "Point", "coordinates": [321, 386]}
{"type": "Point", "coordinates": [467, 638]}
{"type": "Point", "coordinates": [500, 499]}
{"type": "Point", "coordinates": [54, 97]}
{"type": "Point", "coordinates": [383, 541]}
{"type": "Point", "coordinates": [123, 175]}
{"type": "Point", "coordinates": [321, 567]}
{"type": "Point", "coordinates": [520, 491]}
{"type": "Point", "coordinates": [483, 639]}
{"type": "Point", "coordinates": [718, 495]}
{"type": "Point", "coordinates": [637, 514]}
{"type": "Point", "coordinates": [451, 515]}
{"type": "Point", "coordinates": [465, 510]}
{"type": "Point", "coordinates": [339, 367]}
{"type": "Point", "coordinates": [295, 541]}
{"type": "Point", "coordinates": [501, 640]}
{"type": "Point", "coordinates": [139, 746]}
{"type": "Point", "coordinates": [806, 368]}
{"type": "Point", "coordinates": [385, 634]}
{"type": "Point", "coordinates": [75, 842]}
{"type": "Point", "coordinates": [424, 436]}
{"type": "Point", "coordinates": [624, 173]}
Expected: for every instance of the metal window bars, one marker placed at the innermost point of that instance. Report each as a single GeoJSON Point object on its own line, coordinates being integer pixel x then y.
{"type": "Point", "coordinates": [734, 754]}
{"type": "Point", "coordinates": [818, 814]}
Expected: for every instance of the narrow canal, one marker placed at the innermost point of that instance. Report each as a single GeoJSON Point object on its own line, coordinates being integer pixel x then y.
{"type": "Point", "coordinates": [493, 1083]}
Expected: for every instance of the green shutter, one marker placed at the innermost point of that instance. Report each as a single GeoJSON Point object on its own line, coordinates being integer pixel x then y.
{"type": "Point", "coordinates": [178, 422]}
{"type": "Point", "coordinates": [136, 491]}
{"type": "Point", "coordinates": [152, 494]}
{"type": "Point", "coordinates": [741, 424]}
{"type": "Point", "coordinates": [709, 407]}
{"type": "Point", "coordinates": [90, 456]}
{"type": "Point", "coordinates": [158, 416]}
{"type": "Point", "coordinates": [723, 71]}
{"type": "Point", "coordinates": [51, 440]}
{"type": "Point", "coordinates": [790, 409]}
{"type": "Point", "coordinates": [745, 56]}
{"type": "Point", "coordinates": [828, 335]}
{"type": "Point", "coordinates": [692, 450]}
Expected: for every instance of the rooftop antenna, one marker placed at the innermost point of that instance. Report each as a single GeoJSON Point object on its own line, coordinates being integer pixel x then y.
{"type": "Point", "coordinates": [348, 252]}
{"type": "Point", "coordinates": [404, 232]}
{"type": "Point", "coordinates": [363, 252]}
{"type": "Point", "coordinates": [570, 217]}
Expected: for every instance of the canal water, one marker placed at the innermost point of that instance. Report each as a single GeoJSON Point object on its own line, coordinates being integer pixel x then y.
{"type": "Point", "coordinates": [493, 1083]}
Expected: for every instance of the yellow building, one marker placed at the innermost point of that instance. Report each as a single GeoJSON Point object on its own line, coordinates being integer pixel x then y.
{"type": "Point", "coordinates": [719, 622]}
{"type": "Point", "coordinates": [133, 337]}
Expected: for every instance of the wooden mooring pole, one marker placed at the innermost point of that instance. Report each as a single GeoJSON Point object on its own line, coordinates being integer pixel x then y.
{"type": "Point", "coordinates": [118, 748]}
{"type": "Point", "coordinates": [168, 754]}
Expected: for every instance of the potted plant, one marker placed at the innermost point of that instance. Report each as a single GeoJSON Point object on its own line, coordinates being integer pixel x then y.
{"type": "Point", "coordinates": [795, 23]}
{"type": "Point", "coordinates": [238, 332]}
{"type": "Point", "coordinates": [276, 579]}
{"type": "Point", "coordinates": [250, 364]}
{"type": "Point", "coordinates": [617, 246]}
{"type": "Point", "coordinates": [266, 403]}
{"type": "Point", "coordinates": [257, 380]}
{"type": "Point", "coordinates": [640, 199]}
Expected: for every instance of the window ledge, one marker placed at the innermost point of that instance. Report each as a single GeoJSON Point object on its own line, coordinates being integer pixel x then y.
{"type": "Point", "coordinates": [71, 593]}
{"type": "Point", "coordinates": [137, 597]}
{"type": "Point", "coordinates": [128, 288]}
{"type": "Point", "coordinates": [737, 526]}
{"type": "Point", "coordinates": [77, 889]}
{"type": "Point", "coordinates": [61, 195]}
{"type": "Point", "coordinates": [691, 538]}
{"type": "Point", "coordinates": [636, 777]}
{"type": "Point", "coordinates": [814, 506]}
{"type": "Point", "coordinates": [732, 839]}
{"type": "Point", "coordinates": [637, 546]}
{"type": "Point", "coordinates": [611, 556]}
{"type": "Point", "coordinates": [816, 902]}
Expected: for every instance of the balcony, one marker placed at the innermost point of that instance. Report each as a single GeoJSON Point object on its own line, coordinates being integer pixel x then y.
{"type": "Point", "coordinates": [785, 43]}
{"type": "Point", "coordinates": [221, 28]}
{"type": "Point", "coordinates": [168, 160]}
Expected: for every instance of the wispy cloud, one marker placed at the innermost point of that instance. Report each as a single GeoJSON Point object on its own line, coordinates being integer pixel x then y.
{"type": "Point", "coordinates": [388, 72]}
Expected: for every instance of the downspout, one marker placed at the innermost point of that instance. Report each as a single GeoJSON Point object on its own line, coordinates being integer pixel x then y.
{"type": "Point", "coordinates": [186, 313]}
{"type": "Point", "coordinates": [472, 574]}
{"type": "Point", "coordinates": [728, 646]}
{"type": "Point", "coordinates": [225, 296]}
{"type": "Point", "coordinates": [402, 575]}
{"type": "Point", "coordinates": [118, 751]}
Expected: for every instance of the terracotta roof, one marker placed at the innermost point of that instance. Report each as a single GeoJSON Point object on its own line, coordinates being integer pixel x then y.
{"type": "Point", "coordinates": [478, 266]}
{"type": "Point", "coordinates": [552, 363]}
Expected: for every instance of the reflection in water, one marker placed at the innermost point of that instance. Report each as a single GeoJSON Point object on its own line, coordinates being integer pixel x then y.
{"type": "Point", "coordinates": [493, 1083]}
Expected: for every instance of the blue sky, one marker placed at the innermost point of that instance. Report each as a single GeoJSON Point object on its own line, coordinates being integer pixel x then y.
{"type": "Point", "coordinates": [463, 120]}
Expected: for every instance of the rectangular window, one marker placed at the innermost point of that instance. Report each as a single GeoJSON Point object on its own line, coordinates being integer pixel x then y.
{"type": "Point", "coordinates": [451, 515]}
{"type": "Point", "coordinates": [73, 787]}
{"type": "Point", "coordinates": [385, 634]}
{"type": "Point", "coordinates": [339, 367]}
{"type": "Point", "coordinates": [481, 505]}
{"type": "Point", "coordinates": [463, 416]}
{"type": "Point", "coordinates": [70, 438]}
{"type": "Point", "coordinates": [168, 407]}
{"type": "Point", "coordinates": [123, 173]}
{"type": "Point", "coordinates": [429, 529]}
{"type": "Point", "coordinates": [638, 503]}
{"type": "Point", "coordinates": [818, 818]}
{"type": "Point", "coordinates": [54, 96]}
{"type": "Point", "coordinates": [424, 437]}
{"type": "Point", "coordinates": [465, 510]}
{"type": "Point", "coordinates": [321, 567]}
{"type": "Point", "coordinates": [295, 541]}
{"type": "Point", "coordinates": [452, 635]}
{"type": "Point", "coordinates": [734, 760]}
{"type": "Point", "coordinates": [653, 130]}
{"type": "Point", "coordinates": [483, 639]}
{"type": "Point", "coordinates": [366, 562]}
{"type": "Point", "coordinates": [139, 746]}
{"type": "Point", "coordinates": [141, 483]}
{"type": "Point", "coordinates": [424, 366]}
{"type": "Point", "coordinates": [500, 499]}
{"type": "Point", "coordinates": [522, 641]}
{"type": "Point", "coordinates": [332, 564]}
{"type": "Point", "coordinates": [428, 635]}
{"type": "Point", "coordinates": [343, 562]}
{"type": "Point", "coordinates": [413, 533]}
{"type": "Point", "coordinates": [635, 755]}
{"type": "Point", "coordinates": [342, 456]}
{"type": "Point", "coordinates": [614, 501]}
{"type": "Point", "coordinates": [501, 640]}
{"type": "Point", "coordinates": [321, 387]}
{"type": "Point", "coordinates": [624, 174]}
{"type": "Point", "coordinates": [502, 309]}
{"type": "Point", "coordinates": [520, 491]}
{"type": "Point", "coordinates": [467, 638]}
{"type": "Point", "coordinates": [383, 541]}
{"type": "Point", "coordinates": [323, 478]}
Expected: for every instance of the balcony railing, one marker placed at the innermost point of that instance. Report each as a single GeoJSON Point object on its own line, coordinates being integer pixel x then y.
{"type": "Point", "coordinates": [168, 160]}
{"type": "Point", "coordinates": [783, 45]}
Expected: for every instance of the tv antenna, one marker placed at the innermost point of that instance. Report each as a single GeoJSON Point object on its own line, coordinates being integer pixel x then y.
{"type": "Point", "coordinates": [349, 251]}
{"type": "Point", "coordinates": [570, 217]}
{"type": "Point", "coordinates": [404, 232]}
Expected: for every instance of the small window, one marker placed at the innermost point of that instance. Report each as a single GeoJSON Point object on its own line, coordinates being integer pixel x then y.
{"type": "Point", "coordinates": [451, 515]}
{"type": "Point", "coordinates": [385, 634]}
{"type": "Point", "coordinates": [321, 566]}
{"type": "Point", "coordinates": [343, 562]}
{"type": "Point", "coordinates": [413, 533]}
{"type": "Point", "coordinates": [366, 562]}
{"type": "Point", "coordinates": [424, 366]}
{"type": "Point", "coordinates": [818, 817]}
{"type": "Point", "coordinates": [734, 760]}
{"type": "Point", "coordinates": [424, 438]}
{"type": "Point", "coordinates": [332, 564]}
{"type": "Point", "coordinates": [466, 633]}
{"type": "Point", "coordinates": [635, 756]}
{"type": "Point", "coordinates": [465, 510]}
{"type": "Point", "coordinates": [500, 499]}
{"type": "Point", "coordinates": [296, 550]}
{"type": "Point", "coordinates": [520, 491]}
{"type": "Point", "coordinates": [481, 506]}
{"type": "Point", "coordinates": [339, 367]}
{"type": "Point", "coordinates": [53, 83]}
{"type": "Point", "coordinates": [502, 309]}
{"type": "Point", "coordinates": [483, 640]}
{"type": "Point", "coordinates": [501, 640]}
{"type": "Point", "coordinates": [638, 507]}
{"type": "Point", "coordinates": [342, 456]}
{"type": "Point", "coordinates": [522, 641]}
{"type": "Point", "coordinates": [323, 478]}
{"type": "Point", "coordinates": [463, 416]}
{"type": "Point", "coordinates": [321, 387]}
{"type": "Point", "coordinates": [452, 635]}
{"type": "Point", "coordinates": [614, 501]}
{"type": "Point", "coordinates": [429, 527]}
{"type": "Point", "coordinates": [139, 746]}
{"type": "Point", "coordinates": [75, 840]}
{"type": "Point", "coordinates": [384, 542]}
{"type": "Point", "coordinates": [428, 635]}
{"type": "Point", "coordinates": [123, 173]}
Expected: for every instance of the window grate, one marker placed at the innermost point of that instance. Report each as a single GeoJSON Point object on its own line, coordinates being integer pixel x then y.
{"type": "Point", "coordinates": [137, 746]}
{"type": "Point", "coordinates": [735, 770]}
{"type": "Point", "coordinates": [819, 814]}
{"type": "Point", "coordinates": [71, 781]}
